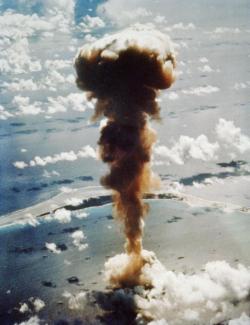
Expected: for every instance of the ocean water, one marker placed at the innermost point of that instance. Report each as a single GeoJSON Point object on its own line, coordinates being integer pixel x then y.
{"type": "Point", "coordinates": [48, 147]}
{"type": "Point", "coordinates": [171, 232]}
{"type": "Point", "coordinates": [39, 118]}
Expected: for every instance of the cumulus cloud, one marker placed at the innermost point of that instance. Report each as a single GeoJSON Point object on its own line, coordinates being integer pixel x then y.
{"type": "Point", "coordinates": [48, 174]}
{"type": "Point", "coordinates": [158, 322]}
{"type": "Point", "coordinates": [172, 95]}
{"type": "Point", "coordinates": [223, 30]}
{"type": "Point", "coordinates": [62, 215]}
{"type": "Point", "coordinates": [53, 248]}
{"type": "Point", "coordinates": [54, 79]}
{"type": "Point", "coordinates": [203, 60]}
{"type": "Point", "coordinates": [188, 147]}
{"type": "Point", "coordinates": [16, 58]}
{"type": "Point", "coordinates": [241, 85]}
{"type": "Point", "coordinates": [81, 215]}
{"type": "Point", "coordinates": [17, 30]}
{"type": "Point", "coordinates": [10, 23]}
{"type": "Point", "coordinates": [65, 189]}
{"type": "Point", "coordinates": [78, 238]}
{"type": "Point", "coordinates": [29, 219]}
{"type": "Point", "coordinates": [180, 26]}
{"type": "Point", "coordinates": [20, 164]}
{"type": "Point", "coordinates": [57, 64]}
{"type": "Point", "coordinates": [56, 8]}
{"type": "Point", "coordinates": [231, 136]}
{"type": "Point", "coordinates": [24, 107]}
{"type": "Point", "coordinates": [34, 320]}
{"type": "Point", "coordinates": [207, 297]}
{"type": "Point", "coordinates": [85, 152]}
{"type": "Point", "coordinates": [75, 101]}
{"type": "Point", "coordinates": [123, 13]}
{"type": "Point", "coordinates": [205, 69]}
{"type": "Point", "coordinates": [242, 320]}
{"type": "Point", "coordinates": [24, 308]}
{"type": "Point", "coordinates": [199, 91]}
{"type": "Point", "coordinates": [21, 85]}
{"type": "Point", "coordinates": [90, 23]}
{"type": "Point", "coordinates": [74, 201]}
{"type": "Point", "coordinates": [207, 182]}
{"type": "Point", "coordinates": [160, 19]}
{"type": "Point", "coordinates": [4, 115]}
{"type": "Point", "coordinates": [76, 301]}
{"type": "Point", "coordinates": [38, 304]}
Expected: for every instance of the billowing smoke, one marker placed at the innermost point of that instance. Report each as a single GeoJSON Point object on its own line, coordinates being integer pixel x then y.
{"type": "Point", "coordinates": [124, 73]}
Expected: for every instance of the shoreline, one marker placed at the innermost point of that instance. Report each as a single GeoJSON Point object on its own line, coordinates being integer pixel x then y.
{"type": "Point", "coordinates": [94, 196]}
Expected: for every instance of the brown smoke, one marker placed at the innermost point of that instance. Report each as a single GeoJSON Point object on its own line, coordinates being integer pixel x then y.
{"type": "Point", "coordinates": [125, 82]}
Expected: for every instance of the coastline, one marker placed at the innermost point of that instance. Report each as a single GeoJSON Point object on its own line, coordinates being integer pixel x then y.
{"type": "Point", "coordinates": [97, 195]}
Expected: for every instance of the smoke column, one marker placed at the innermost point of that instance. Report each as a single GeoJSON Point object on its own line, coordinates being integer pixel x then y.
{"type": "Point", "coordinates": [124, 73]}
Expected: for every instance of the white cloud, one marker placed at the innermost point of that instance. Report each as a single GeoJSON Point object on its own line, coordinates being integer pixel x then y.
{"type": "Point", "coordinates": [34, 320]}
{"type": "Point", "coordinates": [55, 78]}
{"type": "Point", "coordinates": [158, 322]}
{"type": "Point", "coordinates": [188, 147]}
{"type": "Point", "coordinates": [75, 101]}
{"type": "Point", "coordinates": [203, 90]}
{"type": "Point", "coordinates": [223, 30]}
{"type": "Point", "coordinates": [181, 26]}
{"type": "Point", "coordinates": [62, 215]}
{"type": "Point", "coordinates": [74, 201]}
{"type": "Point", "coordinates": [78, 238]}
{"type": "Point", "coordinates": [15, 25]}
{"type": "Point", "coordinates": [81, 215]}
{"type": "Point", "coordinates": [38, 304]}
{"type": "Point", "coordinates": [242, 320]}
{"type": "Point", "coordinates": [21, 85]}
{"type": "Point", "coordinates": [76, 301]}
{"type": "Point", "coordinates": [25, 108]}
{"type": "Point", "coordinates": [89, 38]}
{"type": "Point", "coordinates": [52, 247]}
{"type": "Point", "coordinates": [241, 85]}
{"type": "Point", "coordinates": [65, 189]}
{"type": "Point", "coordinates": [172, 95]}
{"type": "Point", "coordinates": [231, 136]}
{"type": "Point", "coordinates": [62, 8]}
{"type": "Point", "coordinates": [123, 12]}
{"type": "Point", "coordinates": [18, 47]}
{"type": "Point", "coordinates": [205, 69]}
{"type": "Point", "coordinates": [90, 23]}
{"type": "Point", "coordinates": [20, 164]}
{"type": "Point", "coordinates": [4, 115]}
{"type": "Point", "coordinates": [55, 106]}
{"type": "Point", "coordinates": [24, 308]}
{"type": "Point", "coordinates": [160, 19]}
{"type": "Point", "coordinates": [16, 58]}
{"type": "Point", "coordinates": [103, 123]}
{"type": "Point", "coordinates": [29, 219]}
{"type": "Point", "coordinates": [85, 152]}
{"type": "Point", "coordinates": [203, 60]}
{"type": "Point", "coordinates": [57, 64]}
{"type": "Point", "coordinates": [207, 297]}
{"type": "Point", "coordinates": [48, 174]}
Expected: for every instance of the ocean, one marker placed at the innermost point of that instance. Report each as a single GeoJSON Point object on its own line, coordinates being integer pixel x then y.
{"type": "Point", "coordinates": [198, 224]}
